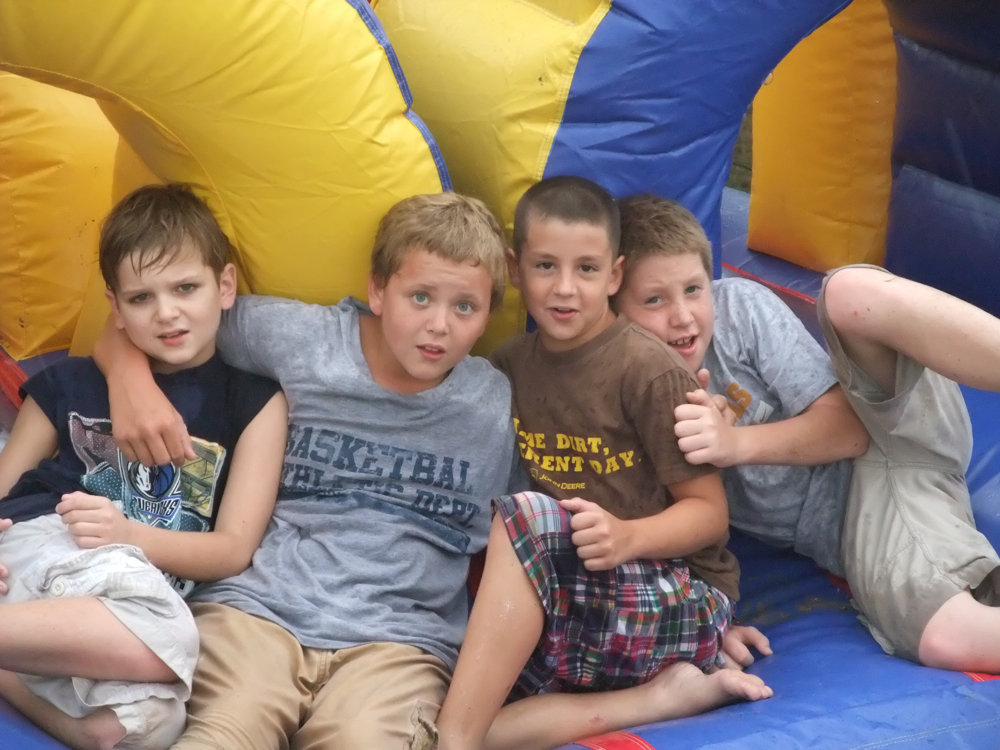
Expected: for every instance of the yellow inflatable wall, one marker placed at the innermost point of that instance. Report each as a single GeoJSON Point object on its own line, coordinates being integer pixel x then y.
{"type": "Point", "coordinates": [286, 117]}
{"type": "Point", "coordinates": [822, 136]}
{"type": "Point", "coordinates": [56, 154]}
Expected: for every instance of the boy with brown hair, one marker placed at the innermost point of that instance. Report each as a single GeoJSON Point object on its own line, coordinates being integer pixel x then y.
{"type": "Point", "coordinates": [896, 521]}
{"type": "Point", "coordinates": [89, 618]}
{"type": "Point", "coordinates": [344, 631]}
{"type": "Point", "coordinates": [618, 575]}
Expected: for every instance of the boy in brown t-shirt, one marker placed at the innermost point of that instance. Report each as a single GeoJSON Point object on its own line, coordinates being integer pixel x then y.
{"type": "Point", "coordinates": [617, 576]}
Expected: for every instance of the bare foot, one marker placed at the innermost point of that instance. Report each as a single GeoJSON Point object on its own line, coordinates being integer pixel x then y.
{"type": "Point", "coordinates": [684, 690]}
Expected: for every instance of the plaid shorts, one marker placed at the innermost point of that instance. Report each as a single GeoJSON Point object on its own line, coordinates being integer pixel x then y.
{"type": "Point", "coordinates": [606, 630]}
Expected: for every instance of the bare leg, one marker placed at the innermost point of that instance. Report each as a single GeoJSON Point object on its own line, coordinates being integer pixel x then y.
{"type": "Point", "coordinates": [878, 314]}
{"type": "Point", "coordinates": [75, 636]}
{"type": "Point", "coordinates": [504, 628]}
{"type": "Point", "coordinates": [962, 636]}
{"type": "Point", "coordinates": [99, 730]}
{"type": "Point", "coordinates": [548, 721]}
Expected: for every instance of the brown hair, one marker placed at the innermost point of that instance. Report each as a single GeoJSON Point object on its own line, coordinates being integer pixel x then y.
{"type": "Point", "coordinates": [148, 226]}
{"type": "Point", "coordinates": [449, 225]}
{"type": "Point", "coordinates": [652, 225]}
{"type": "Point", "coordinates": [569, 199]}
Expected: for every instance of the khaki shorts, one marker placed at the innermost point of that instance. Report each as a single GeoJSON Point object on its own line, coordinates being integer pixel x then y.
{"type": "Point", "coordinates": [45, 563]}
{"type": "Point", "coordinates": [257, 688]}
{"type": "Point", "coordinates": [910, 541]}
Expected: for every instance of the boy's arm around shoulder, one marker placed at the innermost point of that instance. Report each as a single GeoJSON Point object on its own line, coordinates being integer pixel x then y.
{"type": "Point", "coordinates": [825, 431]}
{"type": "Point", "coordinates": [245, 507]}
{"type": "Point", "coordinates": [145, 425]}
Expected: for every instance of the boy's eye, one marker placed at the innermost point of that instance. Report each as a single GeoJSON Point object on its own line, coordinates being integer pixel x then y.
{"type": "Point", "coordinates": [691, 289]}
{"type": "Point", "coordinates": [588, 268]}
{"type": "Point", "coordinates": [465, 307]}
{"type": "Point", "coordinates": [654, 300]}
{"type": "Point", "coordinates": [135, 299]}
{"type": "Point", "coordinates": [187, 287]}
{"type": "Point", "coordinates": [421, 298]}
{"type": "Point", "coordinates": [544, 265]}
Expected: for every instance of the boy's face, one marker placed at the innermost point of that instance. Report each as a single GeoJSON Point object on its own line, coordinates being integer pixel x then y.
{"type": "Point", "coordinates": [671, 296]}
{"type": "Point", "coordinates": [432, 311]}
{"type": "Point", "coordinates": [171, 311]}
{"type": "Point", "coordinates": [566, 274]}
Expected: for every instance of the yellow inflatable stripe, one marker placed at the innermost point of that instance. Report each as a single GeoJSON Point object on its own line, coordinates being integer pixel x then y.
{"type": "Point", "coordinates": [822, 136]}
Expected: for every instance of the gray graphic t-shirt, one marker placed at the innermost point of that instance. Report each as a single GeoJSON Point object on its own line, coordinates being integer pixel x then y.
{"type": "Point", "coordinates": [770, 368]}
{"type": "Point", "coordinates": [383, 496]}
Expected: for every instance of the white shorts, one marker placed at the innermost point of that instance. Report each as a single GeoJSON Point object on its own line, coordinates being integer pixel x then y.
{"type": "Point", "coordinates": [45, 563]}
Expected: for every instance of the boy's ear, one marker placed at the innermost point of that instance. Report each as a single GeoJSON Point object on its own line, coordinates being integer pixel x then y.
{"type": "Point", "coordinates": [227, 286]}
{"type": "Point", "coordinates": [617, 275]}
{"type": "Point", "coordinates": [513, 269]}
{"type": "Point", "coordinates": [374, 296]}
{"type": "Point", "coordinates": [116, 314]}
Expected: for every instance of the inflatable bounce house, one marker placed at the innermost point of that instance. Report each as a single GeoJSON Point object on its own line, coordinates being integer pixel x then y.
{"type": "Point", "coordinates": [875, 139]}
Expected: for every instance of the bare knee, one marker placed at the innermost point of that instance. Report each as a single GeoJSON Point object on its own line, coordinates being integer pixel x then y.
{"type": "Point", "coordinates": [960, 636]}
{"type": "Point", "coordinates": [939, 648]}
{"type": "Point", "coordinates": [852, 294]}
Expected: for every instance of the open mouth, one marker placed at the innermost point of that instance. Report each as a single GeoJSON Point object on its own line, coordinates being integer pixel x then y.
{"type": "Point", "coordinates": [562, 312]}
{"type": "Point", "coordinates": [432, 351]}
{"type": "Point", "coordinates": [172, 337]}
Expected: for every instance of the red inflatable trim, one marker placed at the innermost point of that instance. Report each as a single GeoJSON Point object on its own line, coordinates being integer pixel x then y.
{"type": "Point", "coordinates": [11, 377]}
{"type": "Point", "coordinates": [615, 741]}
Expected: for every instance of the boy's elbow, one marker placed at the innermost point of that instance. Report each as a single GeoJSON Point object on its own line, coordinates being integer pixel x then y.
{"type": "Point", "coordinates": [229, 569]}
{"type": "Point", "coordinates": [858, 442]}
{"type": "Point", "coordinates": [233, 561]}
{"type": "Point", "coordinates": [720, 522]}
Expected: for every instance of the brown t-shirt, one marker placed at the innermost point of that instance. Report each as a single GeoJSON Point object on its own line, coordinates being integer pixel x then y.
{"type": "Point", "coordinates": [597, 422]}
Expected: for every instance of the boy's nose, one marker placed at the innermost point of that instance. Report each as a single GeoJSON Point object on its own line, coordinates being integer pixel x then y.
{"type": "Point", "coordinates": [564, 283]}
{"type": "Point", "coordinates": [681, 315]}
{"type": "Point", "coordinates": [437, 322]}
{"type": "Point", "coordinates": [165, 309]}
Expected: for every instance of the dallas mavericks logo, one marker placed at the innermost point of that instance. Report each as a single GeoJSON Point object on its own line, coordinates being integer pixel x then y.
{"type": "Point", "coordinates": [153, 494]}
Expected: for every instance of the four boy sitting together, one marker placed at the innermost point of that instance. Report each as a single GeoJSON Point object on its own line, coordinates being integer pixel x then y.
{"type": "Point", "coordinates": [603, 456]}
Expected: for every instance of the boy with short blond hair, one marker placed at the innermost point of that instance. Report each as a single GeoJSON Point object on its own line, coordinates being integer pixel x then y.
{"type": "Point", "coordinates": [89, 617]}
{"type": "Point", "coordinates": [605, 601]}
{"type": "Point", "coordinates": [896, 521]}
{"type": "Point", "coordinates": [344, 631]}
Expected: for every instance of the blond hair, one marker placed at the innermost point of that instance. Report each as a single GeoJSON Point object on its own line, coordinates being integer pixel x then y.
{"type": "Point", "coordinates": [449, 225]}
{"type": "Point", "coordinates": [148, 226]}
{"type": "Point", "coordinates": [652, 225]}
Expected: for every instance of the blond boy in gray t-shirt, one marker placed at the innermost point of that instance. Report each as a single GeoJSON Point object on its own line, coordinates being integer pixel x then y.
{"type": "Point", "coordinates": [925, 580]}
